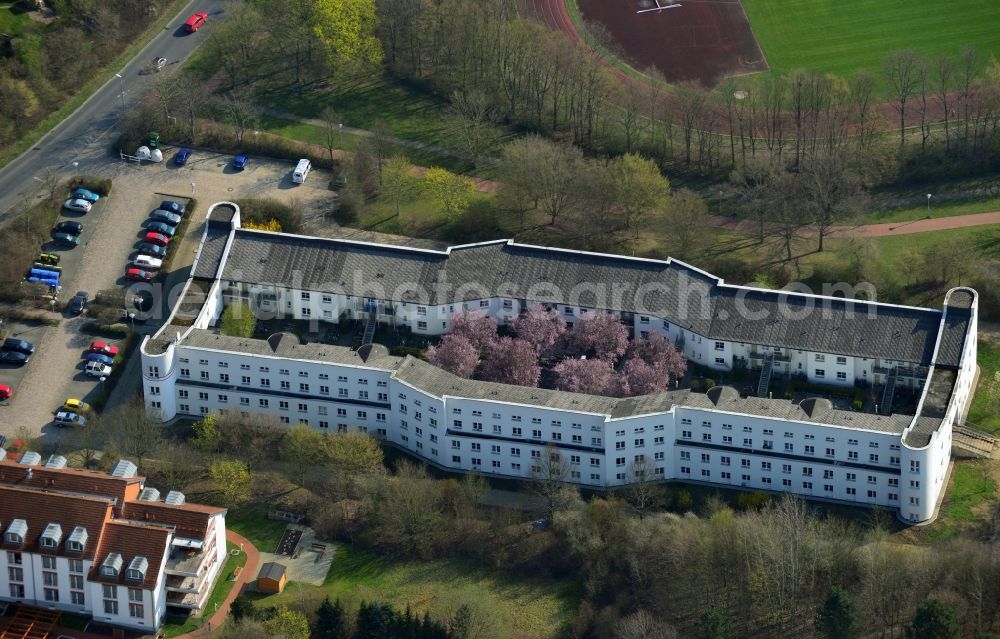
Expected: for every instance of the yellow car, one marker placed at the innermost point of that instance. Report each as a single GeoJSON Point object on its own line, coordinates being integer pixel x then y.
{"type": "Point", "coordinates": [75, 406]}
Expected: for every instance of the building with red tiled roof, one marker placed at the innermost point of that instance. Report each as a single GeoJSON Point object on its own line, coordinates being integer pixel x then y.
{"type": "Point", "coordinates": [104, 544]}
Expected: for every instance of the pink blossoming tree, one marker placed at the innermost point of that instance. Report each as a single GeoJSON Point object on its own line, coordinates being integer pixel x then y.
{"type": "Point", "coordinates": [542, 329]}
{"type": "Point", "coordinates": [602, 335]}
{"type": "Point", "coordinates": [512, 361]}
{"type": "Point", "coordinates": [455, 354]}
{"type": "Point", "coordinates": [480, 330]}
{"type": "Point", "coordinates": [591, 376]}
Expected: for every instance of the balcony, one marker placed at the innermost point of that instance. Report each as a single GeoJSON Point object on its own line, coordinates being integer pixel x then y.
{"type": "Point", "coordinates": [186, 600]}
{"type": "Point", "coordinates": [188, 561]}
{"type": "Point", "coordinates": [189, 585]}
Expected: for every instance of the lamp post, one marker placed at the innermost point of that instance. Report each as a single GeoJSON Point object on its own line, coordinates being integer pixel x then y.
{"type": "Point", "coordinates": [928, 202]}
{"type": "Point", "coordinates": [103, 377]}
{"type": "Point", "coordinates": [121, 78]}
{"type": "Point", "coordinates": [131, 319]}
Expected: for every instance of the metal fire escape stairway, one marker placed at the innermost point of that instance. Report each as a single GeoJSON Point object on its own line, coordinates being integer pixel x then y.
{"type": "Point", "coordinates": [888, 392]}
{"type": "Point", "coordinates": [765, 375]}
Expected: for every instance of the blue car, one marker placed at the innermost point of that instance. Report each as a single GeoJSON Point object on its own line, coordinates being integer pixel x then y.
{"type": "Point", "coordinates": [182, 156]}
{"type": "Point", "coordinates": [160, 227]}
{"type": "Point", "coordinates": [172, 207]}
{"type": "Point", "coordinates": [80, 193]}
{"type": "Point", "coordinates": [240, 161]}
{"type": "Point", "coordinates": [97, 357]}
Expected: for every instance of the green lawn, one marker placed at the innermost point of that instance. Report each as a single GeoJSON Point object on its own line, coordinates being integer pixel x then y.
{"type": "Point", "coordinates": [981, 415]}
{"type": "Point", "coordinates": [971, 488]}
{"type": "Point", "coordinates": [181, 625]}
{"type": "Point", "coordinates": [12, 23]}
{"type": "Point", "coordinates": [509, 609]}
{"type": "Point", "coordinates": [253, 524]}
{"type": "Point", "coordinates": [842, 36]}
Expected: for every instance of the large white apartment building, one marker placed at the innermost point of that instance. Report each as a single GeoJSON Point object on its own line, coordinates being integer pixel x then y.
{"type": "Point", "coordinates": [103, 544]}
{"type": "Point", "coordinates": [723, 437]}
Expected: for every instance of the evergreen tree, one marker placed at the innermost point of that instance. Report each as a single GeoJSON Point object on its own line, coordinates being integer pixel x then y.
{"type": "Point", "coordinates": [329, 620]}
{"type": "Point", "coordinates": [241, 608]}
{"type": "Point", "coordinates": [837, 618]}
{"type": "Point", "coordinates": [934, 619]}
{"type": "Point", "coordinates": [715, 624]}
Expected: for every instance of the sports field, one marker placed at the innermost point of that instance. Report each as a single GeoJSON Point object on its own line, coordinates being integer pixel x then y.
{"type": "Point", "coordinates": [842, 36]}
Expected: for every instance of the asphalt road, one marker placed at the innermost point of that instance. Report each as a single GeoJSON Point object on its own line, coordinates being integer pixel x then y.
{"type": "Point", "coordinates": [84, 136]}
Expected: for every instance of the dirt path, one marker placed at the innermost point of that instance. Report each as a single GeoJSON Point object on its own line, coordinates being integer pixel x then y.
{"type": "Point", "coordinates": [885, 229]}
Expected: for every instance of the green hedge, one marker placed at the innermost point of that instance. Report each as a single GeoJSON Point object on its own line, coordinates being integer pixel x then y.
{"type": "Point", "coordinates": [99, 185]}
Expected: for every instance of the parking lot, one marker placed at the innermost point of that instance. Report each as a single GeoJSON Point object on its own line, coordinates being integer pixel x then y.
{"type": "Point", "coordinates": [111, 232]}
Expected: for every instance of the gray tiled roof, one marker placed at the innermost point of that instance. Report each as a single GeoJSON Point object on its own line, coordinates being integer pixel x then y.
{"type": "Point", "coordinates": [287, 345]}
{"type": "Point", "coordinates": [212, 247]}
{"type": "Point", "coordinates": [675, 291]}
{"type": "Point", "coordinates": [439, 383]}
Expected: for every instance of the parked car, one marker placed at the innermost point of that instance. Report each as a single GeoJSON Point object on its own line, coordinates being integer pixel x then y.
{"type": "Point", "coordinates": [66, 418]}
{"type": "Point", "coordinates": [103, 348]}
{"type": "Point", "coordinates": [154, 250]}
{"type": "Point", "coordinates": [73, 228]}
{"type": "Point", "coordinates": [196, 21]}
{"type": "Point", "coordinates": [79, 302]}
{"type": "Point", "coordinates": [97, 369]}
{"type": "Point", "coordinates": [81, 193]}
{"type": "Point", "coordinates": [173, 219]}
{"type": "Point", "coordinates": [182, 156]}
{"type": "Point", "coordinates": [147, 263]}
{"type": "Point", "coordinates": [97, 357]}
{"type": "Point", "coordinates": [6, 392]}
{"type": "Point", "coordinates": [138, 275]}
{"type": "Point", "coordinates": [13, 357]}
{"type": "Point", "coordinates": [172, 207]}
{"type": "Point", "coordinates": [75, 406]}
{"type": "Point", "coordinates": [240, 161]}
{"type": "Point", "coordinates": [18, 345]}
{"type": "Point", "coordinates": [156, 238]}
{"type": "Point", "coordinates": [65, 239]}
{"type": "Point", "coordinates": [48, 258]}
{"type": "Point", "coordinates": [78, 204]}
{"type": "Point", "coordinates": [161, 227]}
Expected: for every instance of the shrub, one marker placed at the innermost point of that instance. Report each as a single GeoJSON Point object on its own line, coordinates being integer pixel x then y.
{"type": "Point", "coordinates": [101, 186]}
{"type": "Point", "coordinates": [116, 331]}
{"type": "Point", "coordinates": [260, 212]}
{"type": "Point", "coordinates": [238, 321]}
{"type": "Point", "coordinates": [752, 500]}
{"type": "Point", "coordinates": [709, 383]}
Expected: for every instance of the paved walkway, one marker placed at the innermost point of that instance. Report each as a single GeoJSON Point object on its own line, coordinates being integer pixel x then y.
{"type": "Point", "coordinates": [248, 574]}
{"type": "Point", "coordinates": [884, 229]}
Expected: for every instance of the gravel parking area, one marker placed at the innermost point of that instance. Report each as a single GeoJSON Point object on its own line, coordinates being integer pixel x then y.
{"type": "Point", "coordinates": [110, 235]}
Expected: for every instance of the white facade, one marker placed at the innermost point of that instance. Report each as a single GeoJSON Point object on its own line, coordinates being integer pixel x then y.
{"type": "Point", "coordinates": [894, 461]}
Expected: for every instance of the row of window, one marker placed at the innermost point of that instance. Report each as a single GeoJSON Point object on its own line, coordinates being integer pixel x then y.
{"type": "Point", "coordinates": [850, 491]}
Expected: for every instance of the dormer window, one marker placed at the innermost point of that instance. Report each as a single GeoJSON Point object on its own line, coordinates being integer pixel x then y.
{"type": "Point", "coordinates": [77, 539]}
{"type": "Point", "coordinates": [16, 532]}
{"type": "Point", "coordinates": [137, 568]}
{"type": "Point", "coordinates": [112, 565]}
{"type": "Point", "coordinates": [51, 536]}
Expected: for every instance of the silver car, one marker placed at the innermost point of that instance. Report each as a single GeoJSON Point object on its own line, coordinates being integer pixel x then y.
{"type": "Point", "coordinates": [97, 369]}
{"type": "Point", "coordinates": [66, 418]}
{"type": "Point", "coordinates": [77, 204]}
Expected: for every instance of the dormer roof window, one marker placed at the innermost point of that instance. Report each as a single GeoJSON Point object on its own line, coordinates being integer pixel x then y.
{"type": "Point", "coordinates": [77, 540]}
{"type": "Point", "coordinates": [51, 536]}
{"type": "Point", "coordinates": [137, 568]}
{"type": "Point", "coordinates": [111, 565]}
{"type": "Point", "coordinates": [16, 532]}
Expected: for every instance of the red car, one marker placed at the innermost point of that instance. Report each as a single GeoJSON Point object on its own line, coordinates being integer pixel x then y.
{"type": "Point", "coordinates": [103, 349]}
{"type": "Point", "coordinates": [138, 275]}
{"type": "Point", "coordinates": [196, 22]}
{"type": "Point", "coordinates": [6, 392]}
{"type": "Point", "coordinates": [156, 238]}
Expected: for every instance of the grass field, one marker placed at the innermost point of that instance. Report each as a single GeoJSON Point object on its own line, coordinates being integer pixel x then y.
{"type": "Point", "coordinates": [253, 524]}
{"type": "Point", "coordinates": [508, 609]}
{"type": "Point", "coordinates": [982, 415]}
{"type": "Point", "coordinates": [968, 504]}
{"type": "Point", "coordinates": [842, 36]}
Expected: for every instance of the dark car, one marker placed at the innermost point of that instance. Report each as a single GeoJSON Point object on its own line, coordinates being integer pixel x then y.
{"type": "Point", "coordinates": [173, 219]}
{"type": "Point", "coordinates": [154, 250]}
{"type": "Point", "coordinates": [13, 357]}
{"type": "Point", "coordinates": [196, 21]}
{"type": "Point", "coordinates": [182, 156]}
{"type": "Point", "coordinates": [97, 357]}
{"type": "Point", "coordinates": [138, 275]}
{"type": "Point", "coordinates": [65, 239]}
{"type": "Point", "coordinates": [161, 227]}
{"type": "Point", "coordinates": [79, 302]}
{"type": "Point", "coordinates": [240, 161]}
{"type": "Point", "coordinates": [73, 228]}
{"type": "Point", "coordinates": [18, 345]}
{"type": "Point", "coordinates": [172, 207]}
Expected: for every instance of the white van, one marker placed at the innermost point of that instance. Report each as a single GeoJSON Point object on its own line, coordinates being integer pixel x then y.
{"type": "Point", "coordinates": [301, 171]}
